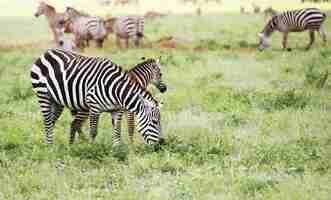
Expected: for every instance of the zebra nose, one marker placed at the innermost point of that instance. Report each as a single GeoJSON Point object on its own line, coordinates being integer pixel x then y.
{"type": "Point", "coordinates": [162, 88]}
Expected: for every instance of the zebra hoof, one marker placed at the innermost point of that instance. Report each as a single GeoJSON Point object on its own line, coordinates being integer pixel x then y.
{"type": "Point", "coordinates": [288, 49]}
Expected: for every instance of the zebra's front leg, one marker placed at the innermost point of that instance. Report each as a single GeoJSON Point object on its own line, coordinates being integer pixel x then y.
{"type": "Point", "coordinates": [284, 43]}
{"type": "Point", "coordinates": [94, 118]}
{"type": "Point", "coordinates": [311, 39]}
{"type": "Point", "coordinates": [131, 126]}
{"type": "Point", "coordinates": [322, 34]}
{"type": "Point", "coordinates": [76, 125]}
{"type": "Point", "coordinates": [117, 126]}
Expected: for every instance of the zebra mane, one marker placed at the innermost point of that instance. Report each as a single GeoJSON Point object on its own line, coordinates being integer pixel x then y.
{"type": "Point", "coordinates": [144, 63]}
{"type": "Point", "coordinates": [77, 13]}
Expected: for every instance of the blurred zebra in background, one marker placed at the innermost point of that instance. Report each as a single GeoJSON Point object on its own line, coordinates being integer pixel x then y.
{"type": "Point", "coordinates": [54, 19]}
{"type": "Point", "coordinates": [310, 19]}
{"type": "Point", "coordinates": [269, 12]}
{"type": "Point", "coordinates": [86, 28]}
{"type": "Point", "coordinates": [90, 86]}
{"type": "Point", "coordinates": [126, 27]}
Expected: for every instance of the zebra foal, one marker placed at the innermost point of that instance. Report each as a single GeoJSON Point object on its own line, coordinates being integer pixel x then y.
{"type": "Point", "coordinates": [310, 19]}
{"type": "Point", "coordinates": [89, 86]}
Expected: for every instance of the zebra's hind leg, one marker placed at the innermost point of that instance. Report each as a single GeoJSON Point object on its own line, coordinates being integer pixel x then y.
{"type": "Point", "coordinates": [94, 118]}
{"type": "Point", "coordinates": [117, 120]}
{"type": "Point", "coordinates": [76, 125]}
{"type": "Point", "coordinates": [99, 43]}
{"type": "Point", "coordinates": [46, 110]}
{"type": "Point", "coordinates": [284, 43]}
{"type": "Point", "coordinates": [131, 126]}
{"type": "Point", "coordinates": [311, 39]}
{"type": "Point", "coordinates": [136, 40]}
{"type": "Point", "coordinates": [322, 34]}
{"type": "Point", "coordinates": [57, 111]}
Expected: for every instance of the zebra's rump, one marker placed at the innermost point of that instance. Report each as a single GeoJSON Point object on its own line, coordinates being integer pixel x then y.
{"type": "Point", "coordinates": [66, 77]}
{"type": "Point", "coordinates": [129, 26]}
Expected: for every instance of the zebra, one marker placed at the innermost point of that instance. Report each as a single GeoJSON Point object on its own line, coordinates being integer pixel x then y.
{"type": "Point", "coordinates": [126, 27]}
{"type": "Point", "coordinates": [89, 86]}
{"type": "Point", "coordinates": [144, 73]}
{"type": "Point", "coordinates": [269, 12]}
{"type": "Point", "coordinates": [85, 27]}
{"type": "Point", "coordinates": [149, 71]}
{"type": "Point", "coordinates": [294, 21]}
{"type": "Point", "coordinates": [53, 17]}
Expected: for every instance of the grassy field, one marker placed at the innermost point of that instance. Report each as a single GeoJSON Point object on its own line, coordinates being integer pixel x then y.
{"type": "Point", "coordinates": [239, 124]}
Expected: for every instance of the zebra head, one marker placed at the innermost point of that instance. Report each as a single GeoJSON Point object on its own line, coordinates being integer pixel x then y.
{"type": "Point", "coordinates": [156, 79]}
{"type": "Point", "coordinates": [265, 41]}
{"type": "Point", "coordinates": [149, 122]}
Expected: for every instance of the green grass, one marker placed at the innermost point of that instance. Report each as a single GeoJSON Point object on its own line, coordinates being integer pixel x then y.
{"type": "Point", "coordinates": [239, 123]}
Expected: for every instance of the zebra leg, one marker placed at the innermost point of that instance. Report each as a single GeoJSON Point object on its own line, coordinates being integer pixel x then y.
{"type": "Point", "coordinates": [136, 40]}
{"type": "Point", "coordinates": [76, 125]}
{"type": "Point", "coordinates": [131, 126]}
{"type": "Point", "coordinates": [46, 110]}
{"type": "Point", "coordinates": [285, 36]}
{"type": "Point", "coordinates": [57, 111]}
{"type": "Point", "coordinates": [94, 118]}
{"type": "Point", "coordinates": [322, 34]}
{"type": "Point", "coordinates": [118, 41]}
{"type": "Point", "coordinates": [117, 120]}
{"type": "Point", "coordinates": [99, 43]}
{"type": "Point", "coordinates": [126, 40]}
{"type": "Point", "coordinates": [312, 39]}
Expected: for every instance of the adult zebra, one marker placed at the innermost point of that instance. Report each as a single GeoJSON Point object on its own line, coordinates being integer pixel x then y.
{"type": "Point", "coordinates": [85, 28]}
{"type": "Point", "coordinates": [294, 21]}
{"type": "Point", "coordinates": [89, 85]}
{"type": "Point", "coordinates": [126, 27]}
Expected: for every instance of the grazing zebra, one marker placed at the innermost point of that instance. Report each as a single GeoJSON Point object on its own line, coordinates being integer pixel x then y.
{"type": "Point", "coordinates": [86, 28]}
{"type": "Point", "coordinates": [294, 21]}
{"type": "Point", "coordinates": [126, 27]}
{"type": "Point", "coordinates": [54, 19]}
{"type": "Point", "coordinates": [269, 12]}
{"type": "Point", "coordinates": [144, 73]}
{"type": "Point", "coordinates": [90, 86]}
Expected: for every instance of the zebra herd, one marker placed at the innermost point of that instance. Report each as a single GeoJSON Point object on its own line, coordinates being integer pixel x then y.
{"type": "Point", "coordinates": [89, 86]}
{"type": "Point", "coordinates": [85, 27]}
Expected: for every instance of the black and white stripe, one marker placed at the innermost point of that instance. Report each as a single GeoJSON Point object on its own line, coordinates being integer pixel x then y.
{"type": "Point", "coordinates": [88, 85]}
{"type": "Point", "coordinates": [143, 74]}
{"type": "Point", "coordinates": [129, 27]}
{"type": "Point", "coordinates": [310, 19]}
{"type": "Point", "coordinates": [86, 28]}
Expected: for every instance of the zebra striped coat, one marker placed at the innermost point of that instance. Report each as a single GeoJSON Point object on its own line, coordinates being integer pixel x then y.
{"type": "Point", "coordinates": [143, 74]}
{"type": "Point", "coordinates": [127, 27]}
{"type": "Point", "coordinates": [86, 28]}
{"type": "Point", "coordinates": [90, 85]}
{"type": "Point", "coordinates": [310, 19]}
